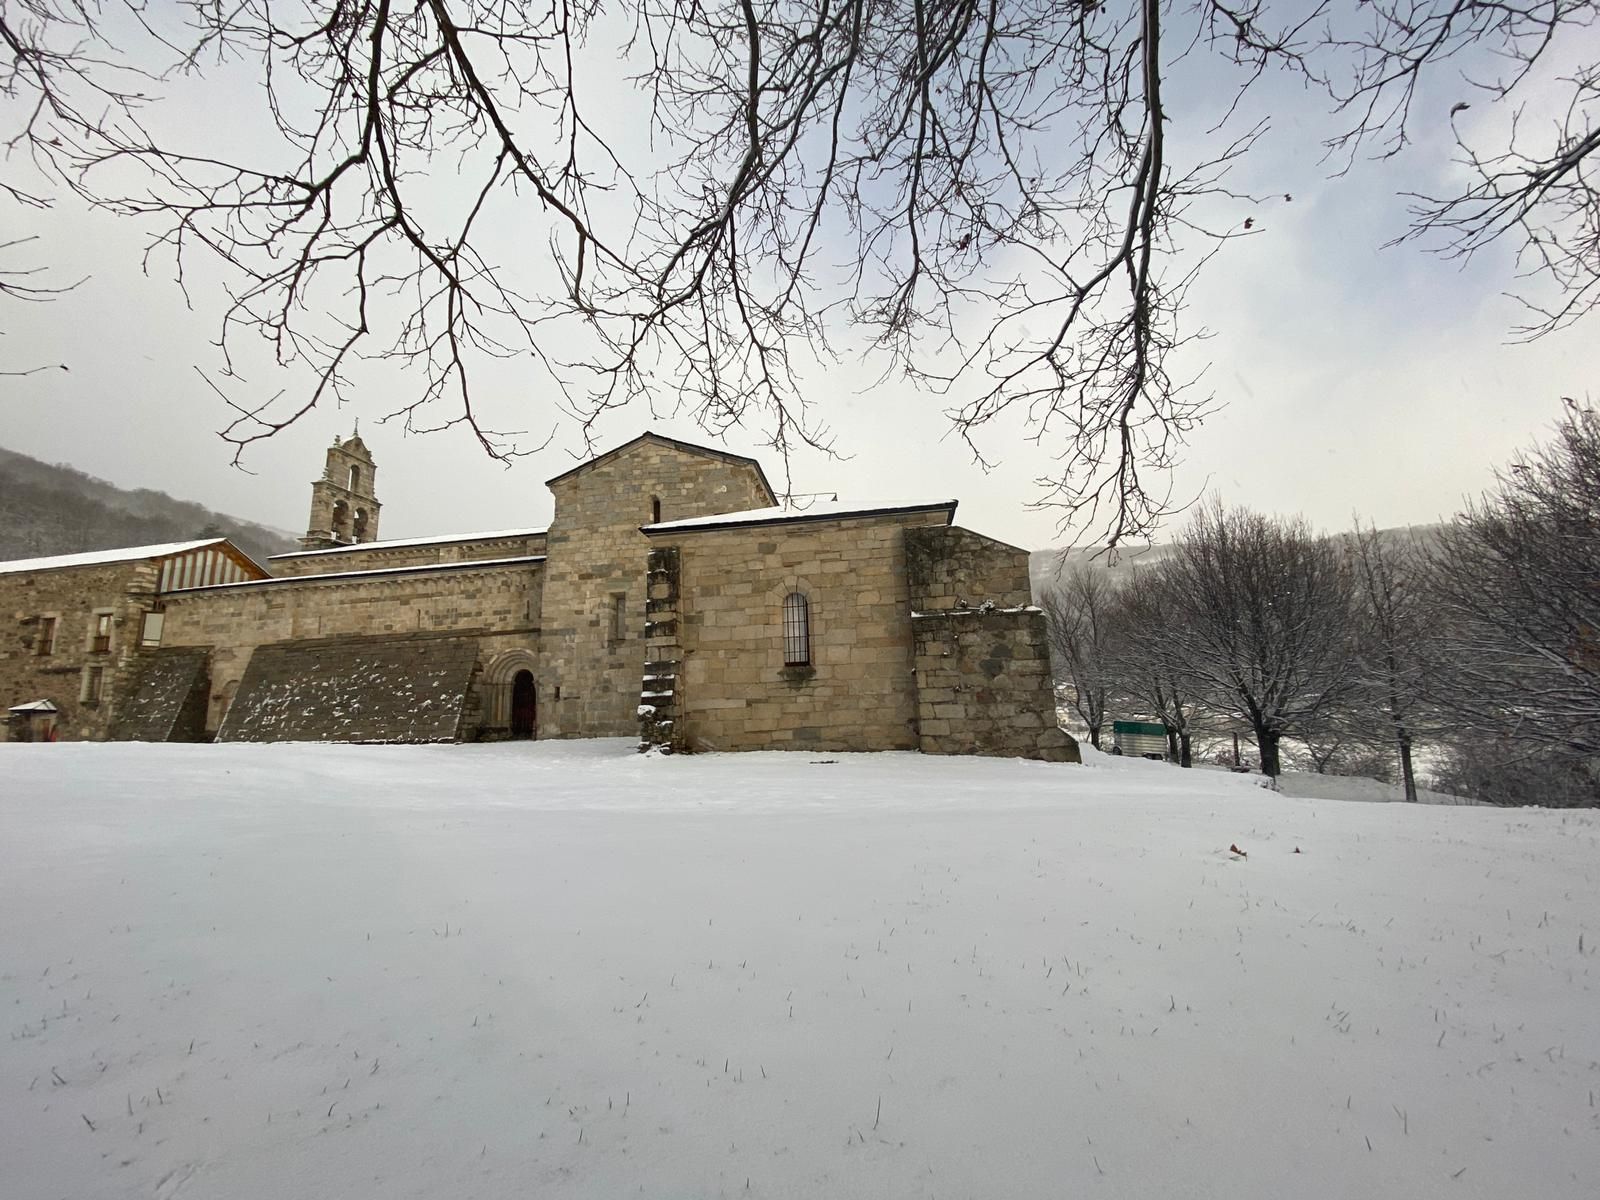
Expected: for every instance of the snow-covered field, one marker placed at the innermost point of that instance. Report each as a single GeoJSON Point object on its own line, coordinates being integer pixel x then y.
{"type": "Point", "coordinates": [561, 969]}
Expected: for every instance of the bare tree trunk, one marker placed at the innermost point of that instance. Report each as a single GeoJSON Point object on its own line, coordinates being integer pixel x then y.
{"type": "Point", "coordinates": [1094, 736]}
{"type": "Point", "coordinates": [1172, 744]}
{"type": "Point", "coordinates": [1185, 757]}
{"type": "Point", "coordinates": [1267, 743]}
{"type": "Point", "coordinates": [1407, 775]}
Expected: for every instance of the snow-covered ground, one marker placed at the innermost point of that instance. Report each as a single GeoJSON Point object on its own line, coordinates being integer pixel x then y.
{"type": "Point", "coordinates": [562, 969]}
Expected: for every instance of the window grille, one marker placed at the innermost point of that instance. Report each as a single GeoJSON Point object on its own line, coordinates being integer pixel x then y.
{"type": "Point", "coordinates": [796, 631]}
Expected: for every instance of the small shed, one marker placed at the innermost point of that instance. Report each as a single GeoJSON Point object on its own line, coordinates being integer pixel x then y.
{"type": "Point", "coordinates": [1142, 739]}
{"type": "Point", "coordinates": [31, 722]}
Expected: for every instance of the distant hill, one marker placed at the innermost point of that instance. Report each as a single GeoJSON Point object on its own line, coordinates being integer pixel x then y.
{"type": "Point", "coordinates": [55, 509]}
{"type": "Point", "coordinates": [1046, 567]}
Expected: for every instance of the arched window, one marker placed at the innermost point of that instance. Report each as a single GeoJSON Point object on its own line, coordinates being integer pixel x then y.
{"type": "Point", "coordinates": [655, 510]}
{"type": "Point", "coordinates": [796, 631]}
{"type": "Point", "coordinates": [359, 529]}
{"type": "Point", "coordinates": [355, 479]}
{"type": "Point", "coordinates": [341, 521]}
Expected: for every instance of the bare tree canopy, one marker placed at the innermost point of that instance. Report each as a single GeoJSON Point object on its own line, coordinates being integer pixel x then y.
{"type": "Point", "coordinates": [1395, 629]}
{"type": "Point", "coordinates": [1147, 675]}
{"type": "Point", "coordinates": [1079, 613]}
{"type": "Point", "coordinates": [1517, 588]}
{"type": "Point", "coordinates": [996, 195]}
{"type": "Point", "coordinates": [1261, 624]}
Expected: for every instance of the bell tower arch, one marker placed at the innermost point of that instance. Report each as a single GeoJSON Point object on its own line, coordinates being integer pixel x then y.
{"type": "Point", "coordinates": [344, 502]}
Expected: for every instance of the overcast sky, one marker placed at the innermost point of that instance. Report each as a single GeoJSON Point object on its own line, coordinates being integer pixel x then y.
{"type": "Point", "coordinates": [1350, 378]}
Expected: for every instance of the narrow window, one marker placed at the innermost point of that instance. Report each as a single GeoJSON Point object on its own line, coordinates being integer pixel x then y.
{"type": "Point", "coordinates": [94, 683]}
{"type": "Point", "coordinates": [355, 479]}
{"type": "Point", "coordinates": [100, 643]}
{"type": "Point", "coordinates": [151, 634]}
{"type": "Point", "coordinates": [655, 510]}
{"type": "Point", "coordinates": [619, 616]}
{"type": "Point", "coordinates": [46, 645]}
{"type": "Point", "coordinates": [796, 631]}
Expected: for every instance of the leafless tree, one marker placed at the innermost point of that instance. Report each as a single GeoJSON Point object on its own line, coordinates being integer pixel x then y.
{"type": "Point", "coordinates": [1261, 623]}
{"type": "Point", "coordinates": [995, 192]}
{"type": "Point", "coordinates": [1079, 618]}
{"type": "Point", "coordinates": [1516, 584]}
{"type": "Point", "coordinates": [55, 83]}
{"type": "Point", "coordinates": [1395, 627]}
{"type": "Point", "coordinates": [1145, 672]}
{"type": "Point", "coordinates": [1508, 771]}
{"type": "Point", "coordinates": [1536, 188]}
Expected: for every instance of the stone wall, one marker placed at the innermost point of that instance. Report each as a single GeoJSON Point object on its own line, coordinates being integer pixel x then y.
{"type": "Point", "coordinates": [381, 556]}
{"type": "Point", "coordinates": [164, 698]}
{"type": "Point", "coordinates": [597, 554]}
{"type": "Point", "coordinates": [498, 606]}
{"type": "Point", "coordinates": [858, 693]}
{"type": "Point", "coordinates": [72, 595]}
{"type": "Point", "coordinates": [951, 567]}
{"type": "Point", "coordinates": [408, 688]}
{"type": "Point", "coordinates": [984, 685]}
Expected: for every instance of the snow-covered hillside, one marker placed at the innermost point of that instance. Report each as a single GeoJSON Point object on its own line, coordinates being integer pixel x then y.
{"type": "Point", "coordinates": [1047, 567]}
{"type": "Point", "coordinates": [561, 969]}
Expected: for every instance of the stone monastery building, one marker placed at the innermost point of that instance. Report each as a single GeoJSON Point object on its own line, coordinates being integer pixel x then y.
{"type": "Point", "coordinates": [671, 598]}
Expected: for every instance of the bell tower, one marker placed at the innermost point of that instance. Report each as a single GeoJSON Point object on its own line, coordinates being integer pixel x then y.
{"type": "Point", "coordinates": [344, 502]}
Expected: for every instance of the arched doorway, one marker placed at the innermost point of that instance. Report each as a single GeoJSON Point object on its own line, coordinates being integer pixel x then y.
{"type": "Point", "coordinates": [524, 705]}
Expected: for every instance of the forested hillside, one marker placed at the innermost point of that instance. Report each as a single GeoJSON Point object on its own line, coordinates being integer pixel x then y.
{"type": "Point", "coordinates": [55, 509]}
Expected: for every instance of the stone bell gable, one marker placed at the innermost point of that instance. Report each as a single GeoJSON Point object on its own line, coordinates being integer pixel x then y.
{"type": "Point", "coordinates": [344, 501]}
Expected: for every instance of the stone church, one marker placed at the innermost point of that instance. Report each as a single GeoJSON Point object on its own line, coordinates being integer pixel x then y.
{"type": "Point", "coordinates": [672, 598]}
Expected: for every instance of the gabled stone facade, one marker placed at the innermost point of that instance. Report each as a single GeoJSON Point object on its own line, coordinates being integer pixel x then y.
{"type": "Point", "coordinates": [671, 598]}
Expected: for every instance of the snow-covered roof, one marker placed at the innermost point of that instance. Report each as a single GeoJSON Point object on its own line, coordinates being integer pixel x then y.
{"type": "Point", "coordinates": [466, 564]}
{"type": "Point", "coordinates": [402, 543]}
{"type": "Point", "coordinates": [95, 558]}
{"type": "Point", "coordinates": [783, 514]}
{"type": "Point", "coordinates": [37, 706]}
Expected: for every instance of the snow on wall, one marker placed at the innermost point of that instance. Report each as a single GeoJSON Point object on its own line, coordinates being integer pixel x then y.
{"type": "Point", "coordinates": [390, 688]}
{"type": "Point", "coordinates": [166, 697]}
